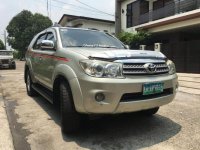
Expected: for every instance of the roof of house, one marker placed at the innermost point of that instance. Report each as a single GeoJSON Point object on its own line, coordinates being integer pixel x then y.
{"type": "Point", "coordinates": [73, 17]}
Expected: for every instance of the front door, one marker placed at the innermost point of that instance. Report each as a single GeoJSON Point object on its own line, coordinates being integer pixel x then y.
{"type": "Point", "coordinates": [47, 62]}
{"type": "Point", "coordinates": [36, 56]}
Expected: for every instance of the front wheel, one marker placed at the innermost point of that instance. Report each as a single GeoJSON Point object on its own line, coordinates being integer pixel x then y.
{"type": "Point", "coordinates": [70, 119]}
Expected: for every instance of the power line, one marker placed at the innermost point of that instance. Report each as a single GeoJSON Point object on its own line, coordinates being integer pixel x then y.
{"type": "Point", "coordinates": [71, 9]}
{"type": "Point", "coordinates": [90, 8]}
{"type": "Point", "coordinates": [72, 5]}
{"type": "Point", "coordinates": [94, 8]}
{"type": "Point", "coordinates": [94, 13]}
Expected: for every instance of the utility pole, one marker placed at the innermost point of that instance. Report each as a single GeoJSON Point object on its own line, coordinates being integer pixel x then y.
{"type": "Point", "coordinates": [5, 39]}
{"type": "Point", "coordinates": [48, 8]}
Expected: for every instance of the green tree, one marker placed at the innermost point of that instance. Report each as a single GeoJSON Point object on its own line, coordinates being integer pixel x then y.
{"type": "Point", "coordinates": [2, 46]}
{"type": "Point", "coordinates": [135, 39]}
{"type": "Point", "coordinates": [23, 27]}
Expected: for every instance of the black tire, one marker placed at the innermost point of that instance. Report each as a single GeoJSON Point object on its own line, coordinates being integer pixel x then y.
{"type": "Point", "coordinates": [30, 91]}
{"type": "Point", "coordinates": [150, 112]}
{"type": "Point", "coordinates": [70, 119]}
{"type": "Point", "coordinates": [14, 66]}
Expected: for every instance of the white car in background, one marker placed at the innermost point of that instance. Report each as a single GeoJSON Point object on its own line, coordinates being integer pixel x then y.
{"type": "Point", "coordinates": [6, 59]}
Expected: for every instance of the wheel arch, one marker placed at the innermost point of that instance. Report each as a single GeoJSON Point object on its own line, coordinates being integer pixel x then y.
{"type": "Point", "coordinates": [67, 74]}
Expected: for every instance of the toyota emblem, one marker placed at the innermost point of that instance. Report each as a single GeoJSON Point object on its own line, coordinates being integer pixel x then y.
{"type": "Point", "coordinates": [150, 68]}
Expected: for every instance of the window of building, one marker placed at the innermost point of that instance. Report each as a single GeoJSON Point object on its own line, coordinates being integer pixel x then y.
{"type": "Point", "coordinates": [144, 7]}
{"type": "Point", "coordinates": [129, 16]}
{"type": "Point", "coordinates": [161, 3]}
{"type": "Point", "coordinates": [158, 4]}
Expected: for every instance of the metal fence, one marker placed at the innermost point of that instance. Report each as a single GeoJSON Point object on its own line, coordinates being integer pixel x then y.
{"type": "Point", "coordinates": [172, 8]}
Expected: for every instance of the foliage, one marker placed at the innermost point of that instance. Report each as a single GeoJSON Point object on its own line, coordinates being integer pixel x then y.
{"type": "Point", "coordinates": [23, 27]}
{"type": "Point", "coordinates": [2, 46]}
{"type": "Point", "coordinates": [134, 39]}
{"type": "Point", "coordinates": [17, 54]}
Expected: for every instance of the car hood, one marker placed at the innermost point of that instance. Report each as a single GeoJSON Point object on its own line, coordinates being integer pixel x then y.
{"type": "Point", "coordinates": [116, 54]}
{"type": "Point", "coordinates": [6, 57]}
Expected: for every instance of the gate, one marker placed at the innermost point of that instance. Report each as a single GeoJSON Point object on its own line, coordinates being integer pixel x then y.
{"type": "Point", "coordinates": [185, 54]}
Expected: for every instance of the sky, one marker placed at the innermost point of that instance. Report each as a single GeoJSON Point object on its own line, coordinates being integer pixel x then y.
{"type": "Point", "coordinates": [10, 8]}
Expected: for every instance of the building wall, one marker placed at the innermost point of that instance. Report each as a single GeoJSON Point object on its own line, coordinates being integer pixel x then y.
{"type": "Point", "coordinates": [123, 15]}
{"type": "Point", "coordinates": [171, 26]}
{"type": "Point", "coordinates": [99, 25]}
{"type": "Point", "coordinates": [102, 26]}
{"type": "Point", "coordinates": [176, 25]}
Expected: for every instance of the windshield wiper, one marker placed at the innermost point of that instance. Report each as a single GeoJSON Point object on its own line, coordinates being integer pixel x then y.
{"type": "Point", "coordinates": [94, 46]}
{"type": "Point", "coordinates": [107, 46]}
{"type": "Point", "coordinates": [76, 46]}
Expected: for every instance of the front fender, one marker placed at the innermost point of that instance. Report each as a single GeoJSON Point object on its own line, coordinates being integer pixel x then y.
{"type": "Point", "coordinates": [29, 66]}
{"type": "Point", "coordinates": [68, 73]}
{"type": "Point", "coordinates": [65, 71]}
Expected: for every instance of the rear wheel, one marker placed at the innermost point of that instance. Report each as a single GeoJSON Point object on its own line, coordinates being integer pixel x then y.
{"type": "Point", "coordinates": [70, 119]}
{"type": "Point", "coordinates": [150, 112]}
{"type": "Point", "coordinates": [30, 91]}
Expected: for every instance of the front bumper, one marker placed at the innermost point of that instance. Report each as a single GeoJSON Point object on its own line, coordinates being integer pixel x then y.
{"type": "Point", "coordinates": [114, 89]}
{"type": "Point", "coordinates": [9, 64]}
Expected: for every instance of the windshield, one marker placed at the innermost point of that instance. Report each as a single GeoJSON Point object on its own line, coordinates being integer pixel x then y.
{"type": "Point", "coordinates": [88, 38]}
{"type": "Point", "coordinates": [3, 53]}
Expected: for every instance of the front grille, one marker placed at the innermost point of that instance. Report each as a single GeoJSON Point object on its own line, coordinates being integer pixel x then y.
{"type": "Point", "coordinates": [5, 61]}
{"type": "Point", "coordinates": [128, 97]}
{"type": "Point", "coordinates": [139, 69]}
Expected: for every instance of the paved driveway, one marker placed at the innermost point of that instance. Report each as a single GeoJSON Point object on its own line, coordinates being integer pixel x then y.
{"type": "Point", "coordinates": [35, 123]}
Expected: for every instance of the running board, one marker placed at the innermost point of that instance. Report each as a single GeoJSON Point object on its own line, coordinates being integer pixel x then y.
{"type": "Point", "coordinates": [47, 94]}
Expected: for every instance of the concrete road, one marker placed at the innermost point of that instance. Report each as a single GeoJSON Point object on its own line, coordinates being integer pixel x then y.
{"type": "Point", "coordinates": [35, 123]}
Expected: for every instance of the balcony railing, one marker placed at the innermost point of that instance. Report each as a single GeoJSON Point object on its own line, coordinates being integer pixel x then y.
{"type": "Point", "coordinates": [172, 8]}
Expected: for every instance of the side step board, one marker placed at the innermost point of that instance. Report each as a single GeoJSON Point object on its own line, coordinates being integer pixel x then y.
{"type": "Point", "coordinates": [47, 94]}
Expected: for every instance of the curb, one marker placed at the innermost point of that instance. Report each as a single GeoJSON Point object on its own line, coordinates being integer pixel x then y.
{"type": "Point", "coordinates": [6, 141]}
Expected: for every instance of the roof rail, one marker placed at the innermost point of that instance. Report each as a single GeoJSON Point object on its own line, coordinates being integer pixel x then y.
{"type": "Point", "coordinates": [56, 25]}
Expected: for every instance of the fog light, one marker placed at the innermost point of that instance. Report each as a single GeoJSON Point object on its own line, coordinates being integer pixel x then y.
{"type": "Point", "coordinates": [99, 97]}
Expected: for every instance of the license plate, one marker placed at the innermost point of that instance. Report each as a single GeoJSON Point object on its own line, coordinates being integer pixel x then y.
{"type": "Point", "coordinates": [5, 65]}
{"type": "Point", "coordinates": [152, 88]}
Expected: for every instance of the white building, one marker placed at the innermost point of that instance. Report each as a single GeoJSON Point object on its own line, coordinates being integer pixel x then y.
{"type": "Point", "coordinates": [87, 22]}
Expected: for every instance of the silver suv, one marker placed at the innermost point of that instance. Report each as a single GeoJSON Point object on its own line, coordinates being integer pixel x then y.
{"type": "Point", "coordinates": [91, 72]}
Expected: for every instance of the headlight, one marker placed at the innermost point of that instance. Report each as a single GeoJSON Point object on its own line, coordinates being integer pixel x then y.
{"type": "Point", "coordinates": [102, 69]}
{"type": "Point", "coordinates": [171, 66]}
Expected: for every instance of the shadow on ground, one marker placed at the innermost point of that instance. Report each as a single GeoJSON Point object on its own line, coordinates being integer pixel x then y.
{"type": "Point", "coordinates": [127, 131]}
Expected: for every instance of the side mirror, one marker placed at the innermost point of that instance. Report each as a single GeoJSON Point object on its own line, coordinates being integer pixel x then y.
{"type": "Point", "coordinates": [127, 47]}
{"type": "Point", "coordinates": [48, 45]}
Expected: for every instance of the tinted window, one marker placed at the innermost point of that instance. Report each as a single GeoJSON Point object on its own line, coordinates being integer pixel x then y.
{"type": "Point", "coordinates": [38, 41]}
{"type": "Point", "coordinates": [88, 38]}
{"type": "Point", "coordinates": [50, 36]}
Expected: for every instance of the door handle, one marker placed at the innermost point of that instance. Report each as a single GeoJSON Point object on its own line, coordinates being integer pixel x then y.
{"type": "Point", "coordinates": [40, 58]}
